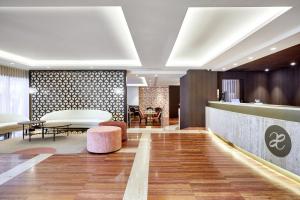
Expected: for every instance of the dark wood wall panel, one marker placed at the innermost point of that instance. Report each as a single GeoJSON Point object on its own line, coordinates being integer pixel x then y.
{"type": "Point", "coordinates": [284, 86]}
{"type": "Point", "coordinates": [275, 61]}
{"type": "Point", "coordinates": [254, 85]}
{"type": "Point", "coordinates": [184, 101]}
{"type": "Point", "coordinates": [280, 86]}
{"type": "Point", "coordinates": [174, 100]}
{"type": "Point", "coordinates": [197, 88]}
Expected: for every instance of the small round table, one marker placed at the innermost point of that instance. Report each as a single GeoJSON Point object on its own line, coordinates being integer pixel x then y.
{"type": "Point", "coordinates": [30, 123]}
{"type": "Point", "coordinates": [55, 128]}
{"type": "Point", "coordinates": [149, 114]}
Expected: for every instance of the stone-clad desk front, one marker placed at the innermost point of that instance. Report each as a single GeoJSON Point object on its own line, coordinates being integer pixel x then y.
{"type": "Point", "coordinates": [268, 131]}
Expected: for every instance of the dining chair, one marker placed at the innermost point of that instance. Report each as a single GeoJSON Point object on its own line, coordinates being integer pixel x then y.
{"type": "Point", "coordinates": [142, 116]}
{"type": "Point", "coordinates": [158, 117]}
{"type": "Point", "coordinates": [157, 110]}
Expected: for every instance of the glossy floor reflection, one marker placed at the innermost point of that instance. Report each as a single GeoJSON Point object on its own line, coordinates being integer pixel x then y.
{"type": "Point", "coordinates": [185, 166]}
{"type": "Point", "coordinates": [8, 161]}
{"type": "Point", "coordinates": [135, 123]}
{"type": "Point", "coordinates": [181, 166]}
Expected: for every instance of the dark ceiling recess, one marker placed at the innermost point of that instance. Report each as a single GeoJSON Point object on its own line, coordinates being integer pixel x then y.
{"type": "Point", "coordinates": [281, 59]}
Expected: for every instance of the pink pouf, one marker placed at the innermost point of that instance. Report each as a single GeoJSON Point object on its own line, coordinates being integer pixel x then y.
{"type": "Point", "coordinates": [120, 124]}
{"type": "Point", "coordinates": [104, 139]}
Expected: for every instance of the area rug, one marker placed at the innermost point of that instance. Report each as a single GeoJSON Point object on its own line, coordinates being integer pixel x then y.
{"type": "Point", "coordinates": [37, 151]}
{"type": "Point", "coordinates": [74, 143]}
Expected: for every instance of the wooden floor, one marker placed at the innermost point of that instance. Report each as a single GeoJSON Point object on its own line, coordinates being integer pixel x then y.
{"type": "Point", "coordinates": [192, 167]}
{"type": "Point", "coordinates": [8, 161]}
{"type": "Point", "coordinates": [182, 166]}
{"type": "Point", "coordinates": [135, 123]}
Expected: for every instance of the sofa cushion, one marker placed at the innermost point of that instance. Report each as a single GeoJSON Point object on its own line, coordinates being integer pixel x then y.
{"type": "Point", "coordinates": [9, 122]}
{"type": "Point", "coordinates": [78, 118]}
{"type": "Point", "coordinates": [12, 118]}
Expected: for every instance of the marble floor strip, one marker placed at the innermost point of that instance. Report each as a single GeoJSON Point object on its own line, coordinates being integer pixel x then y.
{"type": "Point", "coordinates": [17, 170]}
{"type": "Point", "coordinates": [137, 185]}
{"type": "Point", "coordinates": [127, 150]}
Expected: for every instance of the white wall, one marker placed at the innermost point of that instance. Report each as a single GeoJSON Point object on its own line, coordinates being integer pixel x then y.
{"type": "Point", "coordinates": [133, 96]}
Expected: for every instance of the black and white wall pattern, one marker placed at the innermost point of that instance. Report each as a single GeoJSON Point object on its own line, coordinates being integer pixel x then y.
{"type": "Point", "coordinates": [78, 90]}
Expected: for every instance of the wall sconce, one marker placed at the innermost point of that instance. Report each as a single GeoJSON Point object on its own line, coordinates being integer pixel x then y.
{"type": "Point", "coordinates": [32, 90]}
{"type": "Point", "coordinates": [118, 91]}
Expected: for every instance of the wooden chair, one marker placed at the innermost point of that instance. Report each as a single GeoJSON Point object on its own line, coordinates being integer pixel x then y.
{"type": "Point", "coordinates": [157, 110]}
{"type": "Point", "coordinates": [142, 116]}
{"type": "Point", "coordinates": [158, 117]}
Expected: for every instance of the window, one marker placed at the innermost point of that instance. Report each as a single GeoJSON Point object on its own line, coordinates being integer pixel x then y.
{"type": "Point", "coordinates": [231, 89]}
{"type": "Point", "coordinates": [14, 91]}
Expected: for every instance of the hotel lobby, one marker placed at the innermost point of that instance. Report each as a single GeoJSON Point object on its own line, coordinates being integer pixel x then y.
{"type": "Point", "coordinates": [158, 100]}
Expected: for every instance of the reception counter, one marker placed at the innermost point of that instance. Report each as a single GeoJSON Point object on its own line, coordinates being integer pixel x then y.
{"type": "Point", "coordinates": [270, 132]}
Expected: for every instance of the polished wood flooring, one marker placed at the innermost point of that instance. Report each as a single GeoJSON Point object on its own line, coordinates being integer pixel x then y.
{"type": "Point", "coordinates": [192, 167]}
{"type": "Point", "coordinates": [135, 123]}
{"type": "Point", "coordinates": [8, 161]}
{"type": "Point", "coordinates": [182, 166]}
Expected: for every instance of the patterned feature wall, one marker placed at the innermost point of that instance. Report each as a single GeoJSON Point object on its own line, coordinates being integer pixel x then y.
{"type": "Point", "coordinates": [154, 97]}
{"type": "Point", "coordinates": [79, 90]}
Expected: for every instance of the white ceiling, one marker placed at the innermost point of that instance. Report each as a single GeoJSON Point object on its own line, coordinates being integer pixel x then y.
{"type": "Point", "coordinates": [154, 78]}
{"type": "Point", "coordinates": [66, 36]}
{"type": "Point", "coordinates": [135, 80]}
{"type": "Point", "coordinates": [87, 33]}
{"type": "Point", "coordinates": [208, 32]}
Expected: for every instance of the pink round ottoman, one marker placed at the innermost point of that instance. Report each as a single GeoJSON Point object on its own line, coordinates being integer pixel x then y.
{"type": "Point", "coordinates": [120, 124]}
{"type": "Point", "coordinates": [104, 139]}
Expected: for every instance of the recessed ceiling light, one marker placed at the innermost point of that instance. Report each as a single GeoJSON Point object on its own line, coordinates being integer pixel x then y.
{"type": "Point", "coordinates": [273, 48]}
{"type": "Point", "coordinates": [267, 69]}
{"type": "Point", "coordinates": [235, 64]}
{"type": "Point", "coordinates": [67, 63]}
{"type": "Point", "coordinates": [293, 63]}
{"type": "Point", "coordinates": [118, 91]}
{"type": "Point", "coordinates": [250, 58]}
{"type": "Point", "coordinates": [223, 68]}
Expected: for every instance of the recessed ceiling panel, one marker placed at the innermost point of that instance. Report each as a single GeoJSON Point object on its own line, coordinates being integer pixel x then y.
{"type": "Point", "coordinates": [208, 32]}
{"type": "Point", "coordinates": [54, 36]}
{"type": "Point", "coordinates": [136, 81]}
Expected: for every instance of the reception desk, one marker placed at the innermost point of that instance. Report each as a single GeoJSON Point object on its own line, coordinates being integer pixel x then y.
{"type": "Point", "coordinates": [270, 132]}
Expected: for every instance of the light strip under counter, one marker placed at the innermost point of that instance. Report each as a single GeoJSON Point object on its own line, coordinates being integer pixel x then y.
{"type": "Point", "coordinates": [270, 132]}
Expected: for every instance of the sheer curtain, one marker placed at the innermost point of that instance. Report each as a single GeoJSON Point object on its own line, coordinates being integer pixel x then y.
{"type": "Point", "coordinates": [232, 89]}
{"type": "Point", "coordinates": [14, 91]}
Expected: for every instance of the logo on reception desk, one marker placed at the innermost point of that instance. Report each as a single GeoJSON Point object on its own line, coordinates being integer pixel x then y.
{"type": "Point", "coordinates": [278, 141]}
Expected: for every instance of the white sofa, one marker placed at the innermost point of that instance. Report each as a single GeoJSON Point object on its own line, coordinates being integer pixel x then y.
{"type": "Point", "coordinates": [9, 122]}
{"type": "Point", "coordinates": [78, 118]}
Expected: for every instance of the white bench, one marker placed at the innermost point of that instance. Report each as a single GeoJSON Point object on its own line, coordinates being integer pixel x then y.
{"type": "Point", "coordinates": [9, 122]}
{"type": "Point", "coordinates": [78, 118]}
